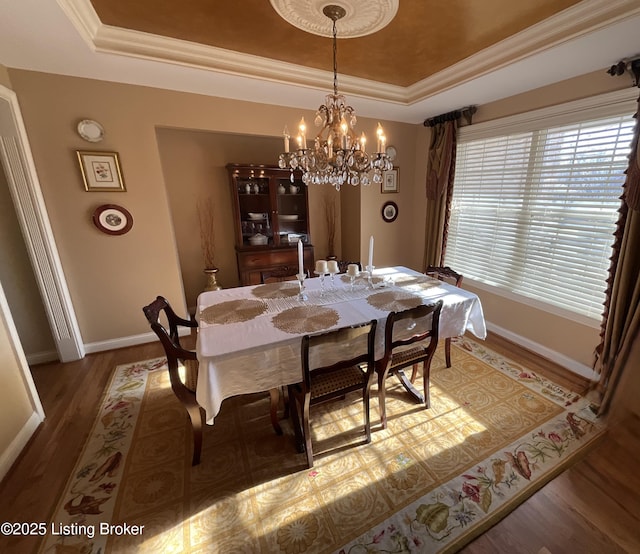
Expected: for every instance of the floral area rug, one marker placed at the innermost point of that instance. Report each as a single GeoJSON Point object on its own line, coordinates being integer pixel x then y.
{"type": "Point", "coordinates": [430, 483]}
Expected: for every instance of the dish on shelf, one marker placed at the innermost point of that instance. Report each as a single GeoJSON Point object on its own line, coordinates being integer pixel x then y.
{"type": "Point", "coordinates": [288, 217]}
{"type": "Point", "coordinates": [258, 240]}
{"type": "Point", "coordinates": [255, 216]}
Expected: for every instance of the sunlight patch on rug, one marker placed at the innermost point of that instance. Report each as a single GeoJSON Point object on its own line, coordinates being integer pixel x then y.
{"type": "Point", "coordinates": [431, 482]}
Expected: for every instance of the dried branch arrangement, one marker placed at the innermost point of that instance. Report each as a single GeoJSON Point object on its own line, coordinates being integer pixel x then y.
{"type": "Point", "coordinates": [207, 231]}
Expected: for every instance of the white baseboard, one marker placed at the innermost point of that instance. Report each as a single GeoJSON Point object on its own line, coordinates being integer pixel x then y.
{"type": "Point", "coordinates": [560, 359]}
{"type": "Point", "coordinates": [42, 357]}
{"type": "Point", "coordinates": [10, 455]}
{"type": "Point", "coordinates": [122, 342]}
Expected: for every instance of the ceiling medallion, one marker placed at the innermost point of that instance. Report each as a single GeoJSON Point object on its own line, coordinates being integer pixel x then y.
{"type": "Point", "coordinates": [337, 156]}
{"type": "Point", "coordinates": [363, 17]}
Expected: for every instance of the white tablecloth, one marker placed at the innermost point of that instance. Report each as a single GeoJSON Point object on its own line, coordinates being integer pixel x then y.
{"type": "Point", "coordinates": [254, 355]}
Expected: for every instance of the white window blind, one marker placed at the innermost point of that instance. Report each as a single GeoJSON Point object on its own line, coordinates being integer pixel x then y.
{"type": "Point", "coordinates": [534, 212]}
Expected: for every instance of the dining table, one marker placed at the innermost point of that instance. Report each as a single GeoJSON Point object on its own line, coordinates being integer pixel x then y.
{"type": "Point", "coordinates": [249, 338]}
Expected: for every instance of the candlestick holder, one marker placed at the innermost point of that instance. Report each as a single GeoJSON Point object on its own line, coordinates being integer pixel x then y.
{"type": "Point", "coordinates": [321, 274]}
{"type": "Point", "coordinates": [352, 280]}
{"type": "Point", "coordinates": [333, 274]}
{"type": "Point", "coordinates": [370, 269]}
{"type": "Point", "coordinates": [301, 295]}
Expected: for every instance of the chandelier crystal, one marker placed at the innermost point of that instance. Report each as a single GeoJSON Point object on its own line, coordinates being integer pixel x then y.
{"type": "Point", "coordinates": [337, 156]}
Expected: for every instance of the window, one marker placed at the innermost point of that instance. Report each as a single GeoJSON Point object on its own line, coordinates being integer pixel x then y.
{"type": "Point", "coordinates": [534, 209]}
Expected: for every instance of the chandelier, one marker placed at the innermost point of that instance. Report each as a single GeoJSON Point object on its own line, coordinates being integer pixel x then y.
{"type": "Point", "coordinates": [337, 156]}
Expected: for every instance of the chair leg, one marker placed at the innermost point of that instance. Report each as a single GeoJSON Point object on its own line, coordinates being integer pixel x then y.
{"type": "Point", "coordinates": [382, 396]}
{"type": "Point", "coordinates": [426, 370]}
{"type": "Point", "coordinates": [307, 429]}
{"type": "Point", "coordinates": [195, 415]}
{"type": "Point", "coordinates": [447, 351]}
{"type": "Point", "coordinates": [295, 417]}
{"type": "Point", "coordinates": [285, 396]}
{"type": "Point", "coordinates": [274, 394]}
{"type": "Point", "coordinates": [414, 373]}
{"type": "Point", "coordinates": [367, 411]}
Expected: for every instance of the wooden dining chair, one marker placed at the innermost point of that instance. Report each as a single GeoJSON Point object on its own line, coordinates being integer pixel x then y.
{"type": "Point", "coordinates": [333, 364]}
{"type": "Point", "coordinates": [342, 266]}
{"type": "Point", "coordinates": [178, 356]}
{"type": "Point", "coordinates": [410, 338]}
{"type": "Point", "coordinates": [447, 275]}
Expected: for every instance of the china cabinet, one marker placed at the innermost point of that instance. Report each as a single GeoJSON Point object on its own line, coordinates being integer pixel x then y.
{"type": "Point", "coordinates": [271, 213]}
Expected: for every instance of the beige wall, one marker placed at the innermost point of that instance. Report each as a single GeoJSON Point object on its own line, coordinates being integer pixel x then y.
{"type": "Point", "coordinates": [194, 166]}
{"type": "Point", "coordinates": [393, 241]}
{"type": "Point", "coordinates": [16, 407]}
{"type": "Point", "coordinates": [18, 281]}
{"type": "Point", "coordinates": [111, 278]}
{"type": "Point", "coordinates": [4, 77]}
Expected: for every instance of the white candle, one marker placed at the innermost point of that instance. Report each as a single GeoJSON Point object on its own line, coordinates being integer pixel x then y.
{"type": "Point", "coordinates": [300, 258]}
{"type": "Point", "coordinates": [303, 134]}
{"type": "Point", "coordinates": [332, 266]}
{"type": "Point", "coordinates": [370, 264]}
{"type": "Point", "coordinates": [286, 139]}
{"type": "Point", "coordinates": [344, 127]}
{"type": "Point", "coordinates": [321, 266]}
{"type": "Point", "coordinates": [352, 270]}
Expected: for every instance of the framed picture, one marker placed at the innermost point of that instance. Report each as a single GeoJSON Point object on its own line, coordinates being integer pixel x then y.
{"type": "Point", "coordinates": [101, 171]}
{"type": "Point", "coordinates": [389, 211]}
{"type": "Point", "coordinates": [390, 181]}
{"type": "Point", "coordinates": [112, 219]}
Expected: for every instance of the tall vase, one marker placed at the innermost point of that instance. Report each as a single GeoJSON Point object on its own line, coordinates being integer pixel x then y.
{"type": "Point", "coordinates": [212, 283]}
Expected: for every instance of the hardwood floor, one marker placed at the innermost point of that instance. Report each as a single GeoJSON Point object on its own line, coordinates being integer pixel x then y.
{"type": "Point", "coordinates": [593, 507]}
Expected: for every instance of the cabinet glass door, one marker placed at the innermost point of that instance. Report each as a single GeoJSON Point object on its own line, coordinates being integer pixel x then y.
{"type": "Point", "coordinates": [292, 211]}
{"type": "Point", "coordinates": [255, 211]}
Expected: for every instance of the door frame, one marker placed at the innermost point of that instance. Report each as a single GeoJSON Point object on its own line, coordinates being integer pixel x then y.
{"type": "Point", "coordinates": [24, 187]}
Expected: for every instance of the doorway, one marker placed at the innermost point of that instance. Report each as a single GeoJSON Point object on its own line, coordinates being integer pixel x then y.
{"type": "Point", "coordinates": [24, 189]}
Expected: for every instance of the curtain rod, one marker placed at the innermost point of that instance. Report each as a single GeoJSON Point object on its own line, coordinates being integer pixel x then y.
{"type": "Point", "coordinates": [632, 67]}
{"type": "Point", "coordinates": [467, 113]}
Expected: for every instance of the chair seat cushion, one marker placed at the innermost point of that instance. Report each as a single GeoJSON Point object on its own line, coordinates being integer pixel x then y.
{"type": "Point", "coordinates": [325, 384]}
{"type": "Point", "coordinates": [406, 357]}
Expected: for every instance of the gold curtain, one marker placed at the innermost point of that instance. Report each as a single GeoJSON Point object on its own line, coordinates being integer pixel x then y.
{"type": "Point", "coordinates": [439, 187]}
{"type": "Point", "coordinates": [621, 325]}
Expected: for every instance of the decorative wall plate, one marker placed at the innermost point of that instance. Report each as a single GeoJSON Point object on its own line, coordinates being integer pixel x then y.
{"type": "Point", "coordinates": [389, 211]}
{"type": "Point", "coordinates": [90, 130]}
{"type": "Point", "coordinates": [391, 152]}
{"type": "Point", "coordinates": [112, 219]}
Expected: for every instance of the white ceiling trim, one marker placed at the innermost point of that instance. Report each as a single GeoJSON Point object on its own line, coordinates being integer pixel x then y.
{"type": "Point", "coordinates": [584, 18]}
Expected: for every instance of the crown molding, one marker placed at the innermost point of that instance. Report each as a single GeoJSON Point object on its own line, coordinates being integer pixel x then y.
{"type": "Point", "coordinates": [584, 18]}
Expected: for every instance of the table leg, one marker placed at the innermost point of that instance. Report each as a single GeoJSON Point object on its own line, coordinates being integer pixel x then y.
{"type": "Point", "coordinates": [274, 394]}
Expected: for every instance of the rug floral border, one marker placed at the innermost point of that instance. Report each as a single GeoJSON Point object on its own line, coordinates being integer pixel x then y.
{"type": "Point", "coordinates": [458, 511]}
{"type": "Point", "coordinates": [90, 493]}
